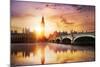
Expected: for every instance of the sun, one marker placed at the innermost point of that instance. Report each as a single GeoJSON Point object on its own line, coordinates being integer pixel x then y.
{"type": "Point", "coordinates": [38, 29]}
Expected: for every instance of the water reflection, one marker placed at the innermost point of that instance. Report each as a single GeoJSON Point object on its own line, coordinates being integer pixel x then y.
{"type": "Point", "coordinates": [47, 53]}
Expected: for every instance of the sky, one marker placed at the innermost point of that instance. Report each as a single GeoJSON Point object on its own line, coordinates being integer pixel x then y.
{"type": "Point", "coordinates": [58, 17]}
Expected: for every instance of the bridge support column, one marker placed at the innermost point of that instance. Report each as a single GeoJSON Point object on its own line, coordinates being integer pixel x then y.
{"type": "Point", "coordinates": [72, 42]}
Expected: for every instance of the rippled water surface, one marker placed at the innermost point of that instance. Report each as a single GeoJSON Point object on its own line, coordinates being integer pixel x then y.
{"type": "Point", "coordinates": [49, 53]}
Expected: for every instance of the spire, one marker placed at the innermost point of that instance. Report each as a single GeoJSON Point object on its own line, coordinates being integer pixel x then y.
{"type": "Point", "coordinates": [43, 20]}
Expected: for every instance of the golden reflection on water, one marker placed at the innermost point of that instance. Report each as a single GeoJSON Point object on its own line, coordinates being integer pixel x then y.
{"type": "Point", "coordinates": [51, 56]}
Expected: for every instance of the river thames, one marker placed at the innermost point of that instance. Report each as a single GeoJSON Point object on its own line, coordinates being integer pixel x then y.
{"type": "Point", "coordinates": [49, 53]}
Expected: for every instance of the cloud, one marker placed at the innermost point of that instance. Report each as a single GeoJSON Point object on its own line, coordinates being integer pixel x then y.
{"type": "Point", "coordinates": [68, 16]}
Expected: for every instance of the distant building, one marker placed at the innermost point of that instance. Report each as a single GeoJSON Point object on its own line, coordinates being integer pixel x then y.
{"type": "Point", "coordinates": [25, 36]}
{"type": "Point", "coordinates": [22, 38]}
{"type": "Point", "coordinates": [42, 38]}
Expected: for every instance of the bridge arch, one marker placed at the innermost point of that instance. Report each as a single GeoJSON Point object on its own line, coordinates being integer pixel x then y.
{"type": "Point", "coordinates": [66, 41]}
{"type": "Point", "coordinates": [88, 40]}
{"type": "Point", "coordinates": [58, 41]}
{"type": "Point", "coordinates": [84, 36]}
{"type": "Point", "coordinates": [69, 37]}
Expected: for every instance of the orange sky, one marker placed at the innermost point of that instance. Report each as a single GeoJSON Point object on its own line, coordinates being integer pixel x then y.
{"type": "Point", "coordinates": [58, 17]}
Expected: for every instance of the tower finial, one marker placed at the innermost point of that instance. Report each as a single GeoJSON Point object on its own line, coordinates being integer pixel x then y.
{"type": "Point", "coordinates": [42, 20]}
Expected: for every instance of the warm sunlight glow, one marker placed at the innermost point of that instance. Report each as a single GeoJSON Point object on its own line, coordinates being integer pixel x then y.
{"type": "Point", "coordinates": [37, 26]}
{"type": "Point", "coordinates": [50, 27]}
{"type": "Point", "coordinates": [38, 29]}
{"type": "Point", "coordinates": [50, 56]}
{"type": "Point", "coordinates": [48, 33]}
